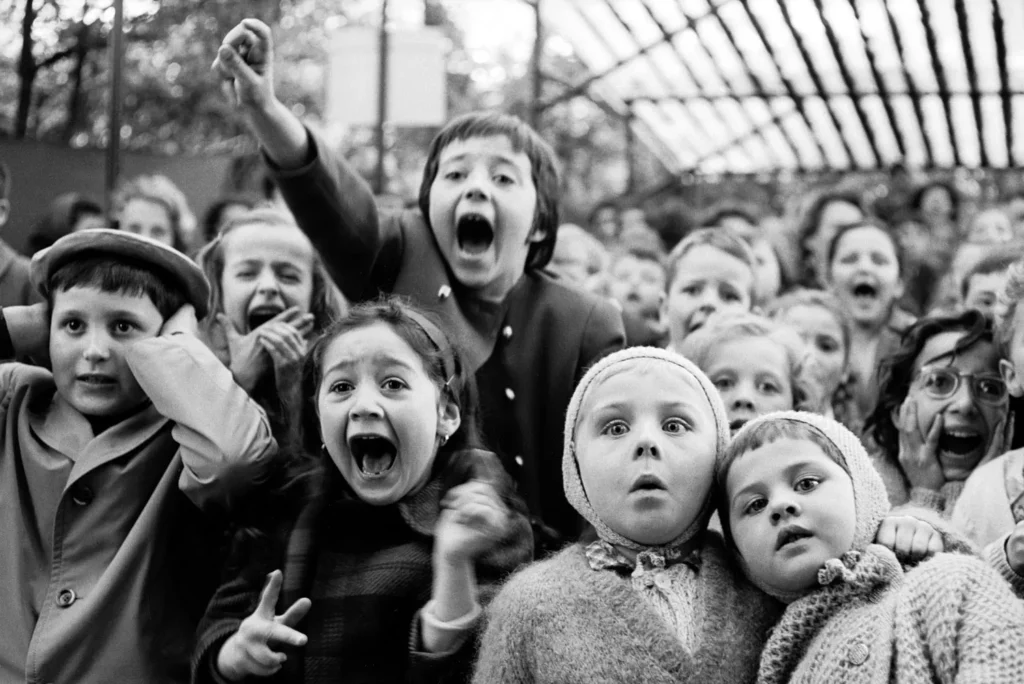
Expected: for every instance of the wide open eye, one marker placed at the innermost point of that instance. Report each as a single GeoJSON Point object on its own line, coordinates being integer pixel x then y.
{"type": "Point", "coordinates": [940, 382]}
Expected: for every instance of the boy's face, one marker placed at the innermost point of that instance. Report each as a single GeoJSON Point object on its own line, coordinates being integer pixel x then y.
{"type": "Point", "coordinates": [570, 259]}
{"type": "Point", "coordinates": [752, 376]}
{"type": "Point", "coordinates": [991, 228]}
{"type": "Point", "coordinates": [645, 445]}
{"type": "Point", "coordinates": [791, 508]}
{"type": "Point", "coordinates": [638, 285]}
{"type": "Point", "coordinates": [983, 291]}
{"type": "Point", "coordinates": [89, 332]}
{"type": "Point", "coordinates": [482, 206]}
{"type": "Point", "coordinates": [865, 274]}
{"type": "Point", "coordinates": [707, 280]}
{"type": "Point", "coordinates": [823, 336]}
{"type": "Point", "coordinates": [267, 269]}
{"type": "Point", "coordinates": [968, 421]}
{"type": "Point", "coordinates": [149, 219]}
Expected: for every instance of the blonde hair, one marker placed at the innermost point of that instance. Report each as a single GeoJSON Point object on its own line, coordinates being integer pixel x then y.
{"type": "Point", "coordinates": [160, 190]}
{"type": "Point", "coordinates": [700, 345]}
{"type": "Point", "coordinates": [723, 239]}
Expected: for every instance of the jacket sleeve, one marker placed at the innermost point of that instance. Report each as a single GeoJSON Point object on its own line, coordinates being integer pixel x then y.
{"type": "Point", "coordinates": [224, 436]}
{"type": "Point", "coordinates": [336, 210]}
{"type": "Point", "coordinates": [953, 540]}
{"type": "Point", "coordinates": [995, 555]}
{"type": "Point", "coordinates": [603, 334]}
{"type": "Point", "coordinates": [507, 644]}
{"type": "Point", "coordinates": [972, 624]}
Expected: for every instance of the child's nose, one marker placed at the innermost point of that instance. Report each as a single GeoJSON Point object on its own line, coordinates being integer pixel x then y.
{"type": "Point", "coordinates": [647, 446]}
{"type": "Point", "coordinates": [365, 404]}
{"type": "Point", "coordinates": [97, 347]}
{"type": "Point", "coordinates": [784, 507]}
{"type": "Point", "coordinates": [267, 283]}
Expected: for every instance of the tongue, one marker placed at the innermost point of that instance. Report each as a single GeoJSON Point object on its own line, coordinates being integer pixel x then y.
{"type": "Point", "coordinates": [375, 464]}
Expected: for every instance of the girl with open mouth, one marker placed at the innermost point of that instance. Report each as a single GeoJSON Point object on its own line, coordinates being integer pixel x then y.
{"type": "Point", "coordinates": [942, 409]}
{"type": "Point", "coordinates": [388, 524]}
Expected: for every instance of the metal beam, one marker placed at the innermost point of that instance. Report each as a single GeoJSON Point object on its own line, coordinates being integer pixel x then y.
{"type": "Point", "coordinates": [837, 54]}
{"type": "Point", "coordinates": [801, 97]}
{"type": "Point", "coordinates": [940, 75]}
{"type": "Point", "coordinates": [883, 90]}
{"type": "Point", "coordinates": [915, 94]}
{"type": "Point", "coordinates": [790, 90]}
{"type": "Point", "coordinates": [998, 27]}
{"type": "Point", "coordinates": [776, 120]}
{"type": "Point", "coordinates": [816, 78]}
{"type": "Point", "coordinates": [972, 76]}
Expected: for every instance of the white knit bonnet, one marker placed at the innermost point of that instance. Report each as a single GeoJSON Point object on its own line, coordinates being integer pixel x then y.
{"type": "Point", "coordinates": [570, 467]}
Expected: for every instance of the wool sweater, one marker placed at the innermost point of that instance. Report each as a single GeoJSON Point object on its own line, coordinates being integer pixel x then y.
{"type": "Point", "coordinates": [561, 621]}
{"type": "Point", "coordinates": [950, 619]}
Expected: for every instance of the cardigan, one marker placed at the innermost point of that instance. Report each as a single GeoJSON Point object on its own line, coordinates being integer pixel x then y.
{"type": "Point", "coordinates": [950, 619]}
{"type": "Point", "coordinates": [559, 621]}
{"type": "Point", "coordinates": [528, 351]}
{"type": "Point", "coordinates": [368, 572]}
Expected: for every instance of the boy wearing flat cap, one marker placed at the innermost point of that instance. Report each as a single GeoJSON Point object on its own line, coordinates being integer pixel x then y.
{"type": "Point", "coordinates": [114, 465]}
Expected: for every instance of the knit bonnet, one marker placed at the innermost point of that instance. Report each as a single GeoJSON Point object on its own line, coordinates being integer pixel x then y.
{"type": "Point", "coordinates": [869, 495]}
{"type": "Point", "coordinates": [571, 478]}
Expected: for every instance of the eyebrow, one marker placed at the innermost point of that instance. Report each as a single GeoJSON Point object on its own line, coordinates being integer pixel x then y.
{"type": "Point", "coordinates": [386, 358]}
{"type": "Point", "coordinates": [490, 157]}
{"type": "Point", "coordinates": [789, 471]}
{"type": "Point", "coordinates": [612, 406]}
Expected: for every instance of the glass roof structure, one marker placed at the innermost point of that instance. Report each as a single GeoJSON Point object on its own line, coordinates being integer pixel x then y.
{"type": "Point", "coordinates": [746, 86]}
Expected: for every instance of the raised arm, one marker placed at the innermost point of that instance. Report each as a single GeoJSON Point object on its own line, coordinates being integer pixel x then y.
{"type": "Point", "coordinates": [330, 202]}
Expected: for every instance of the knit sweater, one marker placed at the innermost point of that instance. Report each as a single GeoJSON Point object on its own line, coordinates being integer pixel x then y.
{"type": "Point", "coordinates": [561, 621]}
{"type": "Point", "coordinates": [951, 619]}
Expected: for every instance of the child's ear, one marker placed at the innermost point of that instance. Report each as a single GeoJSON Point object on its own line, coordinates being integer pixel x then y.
{"type": "Point", "coordinates": [448, 417]}
{"type": "Point", "coordinates": [1009, 374]}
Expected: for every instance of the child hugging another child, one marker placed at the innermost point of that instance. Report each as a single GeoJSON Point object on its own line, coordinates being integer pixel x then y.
{"type": "Point", "coordinates": [269, 294]}
{"type": "Point", "coordinates": [109, 462]}
{"type": "Point", "coordinates": [390, 524]}
{"type": "Point", "coordinates": [801, 505]}
{"type": "Point", "coordinates": [474, 253]}
{"type": "Point", "coordinates": [711, 269]}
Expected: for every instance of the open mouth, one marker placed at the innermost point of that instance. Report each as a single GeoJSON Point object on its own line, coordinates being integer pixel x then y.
{"type": "Point", "coordinates": [97, 379]}
{"type": "Point", "coordinates": [791, 535]}
{"type": "Point", "coordinates": [374, 455]}
{"type": "Point", "coordinates": [474, 233]}
{"type": "Point", "coordinates": [865, 291]}
{"type": "Point", "coordinates": [961, 442]}
{"type": "Point", "coordinates": [736, 424]}
{"type": "Point", "coordinates": [262, 314]}
{"type": "Point", "coordinates": [648, 483]}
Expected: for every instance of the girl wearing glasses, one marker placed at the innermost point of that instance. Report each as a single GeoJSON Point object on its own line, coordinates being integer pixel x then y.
{"type": "Point", "coordinates": [942, 410]}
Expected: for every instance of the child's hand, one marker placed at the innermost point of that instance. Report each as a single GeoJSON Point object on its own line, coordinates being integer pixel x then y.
{"type": "Point", "coordinates": [248, 360]}
{"type": "Point", "coordinates": [182, 322]}
{"type": "Point", "coordinates": [250, 652]}
{"type": "Point", "coordinates": [1001, 437]}
{"type": "Point", "coordinates": [284, 338]}
{"type": "Point", "coordinates": [1015, 549]}
{"type": "Point", "coordinates": [473, 519]}
{"type": "Point", "coordinates": [245, 61]}
{"type": "Point", "coordinates": [919, 458]}
{"type": "Point", "coordinates": [909, 537]}
{"type": "Point", "coordinates": [29, 328]}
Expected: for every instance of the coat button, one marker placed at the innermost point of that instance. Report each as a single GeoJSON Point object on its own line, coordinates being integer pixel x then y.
{"type": "Point", "coordinates": [519, 461]}
{"type": "Point", "coordinates": [858, 653]}
{"type": "Point", "coordinates": [65, 597]}
{"type": "Point", "coordinates": [506, 332]}
{"type": "Point", "coordinates": [510, 394]}
{"type": "Point", "coordinates": [444, 293]}
{"type": "Point", "coordinates": [81, 495]}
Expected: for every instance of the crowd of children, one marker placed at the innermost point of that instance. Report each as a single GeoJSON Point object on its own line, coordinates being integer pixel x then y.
{"type": "Point", "coordinates": [463, 442]}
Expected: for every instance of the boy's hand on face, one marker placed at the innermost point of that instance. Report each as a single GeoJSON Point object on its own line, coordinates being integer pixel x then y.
{"type": "Point", "coordinates": [909, 538]}
{"type": "Point", "coordinates": [252, 650]}
{"type": "Point", "coordinates": [245, 62]}
{"type": "Point", "coordinates": [181, 322]}
{"type": "Point", "coordinates": [919, 457]}
{"type": "Point", "coordinates": [1015, 549]}
{"type": "Point", "coordinates": [473, 519]}
{"type": "Point", "coordinates": [29, 328]}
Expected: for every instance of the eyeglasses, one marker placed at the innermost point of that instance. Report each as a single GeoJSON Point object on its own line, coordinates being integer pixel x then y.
{"type": "Point", "coordinates": [942, 383]}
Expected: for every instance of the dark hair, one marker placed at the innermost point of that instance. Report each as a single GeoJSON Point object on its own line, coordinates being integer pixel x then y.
{"type": "Point", "coordinates": [917, 199]}
{"type": "Point", "coordinates": [5, 180]}
{"type": "Point", "coordinates": [866, 223]}
{"type": "Point", "coordinates": [809, 224]}
{"type": "Point", "coordinates": [999, 259]}
{"type": "Point", "coordinates": [719, 213]}
{"type": "Point", "coordinates": [896, 372]}
{"type": "Point", "coordinates": [765, 432]}
{"type": "Point", "coordinates": [212, 219]}
{"type": "Point", "coordinates": [119, 275]}
{"type": "Point", "coordinates": [523, 139]}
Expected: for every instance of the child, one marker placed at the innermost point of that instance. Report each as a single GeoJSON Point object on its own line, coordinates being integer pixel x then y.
{"type": "Point", "coordinates": [109, 462]}
{"type": "Point", "coordinates": [636, 282]}
{"type": "Point", "coordinates": [756, 365]}
{"type": "Point", "coordinates": [655, 599]}
{"type": "Point", "coordinates": [942, 410]}
{"type": "Point", "coordinates": [817, 230]}
{"type": "Point", "coordinates": [474, 254]}
{"type": "Point", "coordinates": [710, 270]}
{"type": "Point", "coordinates": [990, 227]}
{"type": "Point", "coordinates": [801, 505]}
{"type": "Point", "coordinates": [579, 257]}
{"type": "Point", "coordinates": [864, 275]}
{"type": "Point", "coordinates": [269, 294]}
{"type": "Point", "coordinates": [984, 282]}
{"type": "Point", "coordinates": [154, 207]}
{"type": "Point", "coordinates": [819, 319]}
{"type": "Point", "coordinates": [991, 508]}
{"type": "Point", "coordinates": [15, 287]}
{"type": "Point", "coordinates": [401, 526]}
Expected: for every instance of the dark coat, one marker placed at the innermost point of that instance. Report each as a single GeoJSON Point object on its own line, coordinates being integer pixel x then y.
{"type": "Point", "coordinates": [529, 350]}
